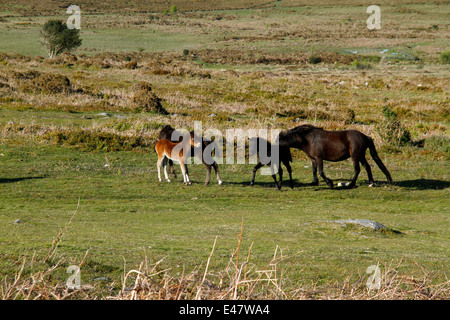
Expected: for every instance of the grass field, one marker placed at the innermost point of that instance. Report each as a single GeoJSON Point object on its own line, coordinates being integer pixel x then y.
{"type": "Point", "coordinates": [78, 179]}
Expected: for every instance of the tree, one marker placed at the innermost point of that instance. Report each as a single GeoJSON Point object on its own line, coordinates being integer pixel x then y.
{"type": "Point", "coordinates": [57, 38]}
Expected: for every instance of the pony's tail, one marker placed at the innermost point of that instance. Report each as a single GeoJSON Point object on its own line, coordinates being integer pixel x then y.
{"type": "Point", "coordinates": [374, 154]}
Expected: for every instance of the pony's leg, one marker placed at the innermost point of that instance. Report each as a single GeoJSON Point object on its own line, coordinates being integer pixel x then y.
{"type": "Point", "coordinates": [315, 181]}
{"type": "Point", "coordinates": [183, 170]}
{"type": "Point", "coordinates": [158, 165]}
{"type": "Point", "coordinates": [216, 169]}
{"type": "Point", "coordinates": [164, 163]}
{"type": "Point", "coordinates": [320, 167]}
{"type": "Point", "coordinates": [256, 168]}
{"type": "Point", "coordinates": [208, 173]}
{"type": "Point", "coordinates": [187, 175]}
{"type": "Point", "coordinates": [172, 170]}
{"type": "Point", "coordinates": [357, 171]}
{"type": "Point", "coordinates": [289, 169]}
{"type": "Point", "coordinates": [368, 170]}
{"type": "Point", "coordinates": [274, 176]}
{"type": "Point", "coordinates": [280, 172]}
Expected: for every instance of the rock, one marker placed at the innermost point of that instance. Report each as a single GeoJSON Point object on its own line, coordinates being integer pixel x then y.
{"type": "Point", "coordinates": [362, 222]}
{"type": "Point", "coordinates": [18, 221]}
{"type": "Point", "coordinates": [102, 279]}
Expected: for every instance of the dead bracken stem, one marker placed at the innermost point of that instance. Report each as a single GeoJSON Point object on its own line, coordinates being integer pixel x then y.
{"type": "Point", "coordinates": [206, 271]}
{"type": "Point", "coordinates": [60, 235]}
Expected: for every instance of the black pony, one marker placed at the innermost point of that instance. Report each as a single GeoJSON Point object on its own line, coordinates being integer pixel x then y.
{"type": "Point", "coordinates": [284, 157]}
{"type": "Point", "coordinates": [320, 145]}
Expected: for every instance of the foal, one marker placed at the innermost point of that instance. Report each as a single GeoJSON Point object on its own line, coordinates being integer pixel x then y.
{"type": "Point", "coordinates": [284, 157]}
{"type": "Point", "coordinates": [166, 133]}
{"type": "Point", "coordinates": [179, 151]}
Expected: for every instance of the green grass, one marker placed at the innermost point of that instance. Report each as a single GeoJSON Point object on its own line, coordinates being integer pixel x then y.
{"type": "Point", "coordinates": [126, 214]}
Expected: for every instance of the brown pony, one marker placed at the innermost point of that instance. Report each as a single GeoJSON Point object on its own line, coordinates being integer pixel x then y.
{"type": "Point", "coordinates": [178, 151]}
{"type": "Point", "coordinates": [166, 133]}
{"type": "Point", "coordinates": [320, 145]}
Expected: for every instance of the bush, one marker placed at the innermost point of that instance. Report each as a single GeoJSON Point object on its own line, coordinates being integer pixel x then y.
{"type": "Point", "coordinates": [313, 59]}
{"type": "Point", "coordinates": [361, 65]}
{"type": "Point", "coordinates": [392, 131]}
{"type": "Point", "coordinates": [144, 100]}
{"type": "Point", "coordinates": [89, 140]}
{"type": "Point", "coordinates": [444, 57]}
{"type": "Point", "coordinates": [438, 143]}
{"type": "Point", "coordinates": [34, 81]}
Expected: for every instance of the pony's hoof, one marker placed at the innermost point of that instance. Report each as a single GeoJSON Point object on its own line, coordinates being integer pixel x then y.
{"type": "Point", "coordinates": [343, 184]}
{"type": "Point", "coordinates": [314, 183]}
{"type": "Point", "coordinates": [168, 180]}
{"type": "Point", "coordinates": [220, 182]}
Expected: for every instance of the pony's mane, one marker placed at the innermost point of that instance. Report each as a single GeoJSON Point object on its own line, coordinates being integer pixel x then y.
{"type": "Point", "coordinates": [304, 129]}
{"type": "Point", "coordinates": [292, 136]}
{"type": "Point", "coordinates": [166, 132]}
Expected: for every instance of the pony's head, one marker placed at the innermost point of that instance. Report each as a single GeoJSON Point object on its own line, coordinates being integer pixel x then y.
{"type": "Point", "coordinates": [196, 141]}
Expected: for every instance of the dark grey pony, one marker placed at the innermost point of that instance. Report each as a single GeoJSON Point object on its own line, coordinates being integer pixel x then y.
{"type": "Point", "coordinates": [320, 145]}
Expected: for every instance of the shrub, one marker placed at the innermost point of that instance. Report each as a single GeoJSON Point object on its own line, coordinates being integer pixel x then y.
{"type": "Point", "coordinates": [392, 131]}
{"type": "Point", "coordinates": [173, 9]}
{"type": "Point", "coordinates": [313, 59]}
{"type": "Point", "coordinates": [444, 57]}
{"type": "Point", "coordinates": [438, 143]}
{"type": "Point", "coordinates": [361, 65]}
{"type": "Point", "coordinates": [34, 81]}
{"type": "Point", "coordinates": [90, 140]}
{"type": "Point", "coordinates": [144, 100]}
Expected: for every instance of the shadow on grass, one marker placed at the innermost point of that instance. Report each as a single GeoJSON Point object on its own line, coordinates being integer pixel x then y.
{"type": "Point", "coordinates": [265, 184]}
{"type": "Point", "coordinates": [423, 184]}
{"type": "Point", "coordinates": [419, 184]}
{"type": "Point", "coordinates": [12, 180]}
